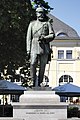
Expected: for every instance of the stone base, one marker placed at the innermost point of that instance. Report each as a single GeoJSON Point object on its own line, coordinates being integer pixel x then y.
{"type": "Point", "coordinates": [40, 105]}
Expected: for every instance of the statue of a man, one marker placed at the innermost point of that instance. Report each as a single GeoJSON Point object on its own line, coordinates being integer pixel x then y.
{"type": "Point", "coordinates": [39, 34]}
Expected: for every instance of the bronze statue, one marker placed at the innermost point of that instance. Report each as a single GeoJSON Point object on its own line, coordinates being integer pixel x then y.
{"type": "Point", "coordinates": [39, 34]}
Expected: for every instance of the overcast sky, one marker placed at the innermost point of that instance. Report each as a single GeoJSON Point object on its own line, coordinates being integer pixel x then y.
{"type": "Point", "coordinates": [67, 11]}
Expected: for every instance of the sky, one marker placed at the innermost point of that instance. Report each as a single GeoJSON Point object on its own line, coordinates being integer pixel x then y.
{"type": "Point", "coordinates": [68, 11]}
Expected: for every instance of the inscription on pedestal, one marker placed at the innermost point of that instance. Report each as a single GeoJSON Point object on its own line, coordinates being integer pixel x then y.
{"type": "Point", "coordinates": [47, 112]}
{"type": "Point", "coordinates": [40, 111]}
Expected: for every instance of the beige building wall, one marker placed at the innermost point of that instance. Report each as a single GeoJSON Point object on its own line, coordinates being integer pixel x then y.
{"type": "Point", "coordinates": [77, 71]}
{"type": "Point", "coordinates": [59, 67]}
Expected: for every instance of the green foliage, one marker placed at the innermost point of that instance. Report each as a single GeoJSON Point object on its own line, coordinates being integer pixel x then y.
{"type": "Point", "coordinates": [14, 19]}
{"type": "Point", "coordinates": [42, 3]}
{"type": "Point", "coordinates": [73, 112]}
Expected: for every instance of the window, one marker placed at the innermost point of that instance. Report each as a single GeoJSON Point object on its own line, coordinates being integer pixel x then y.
{"type": "Point", "coordinates": [61, 79]}
{"type": "Point", "coordinates": [68, 54]}
{"type": "Point", "coordinates": [65, 79]}
{"type": "Point", "coordinates": [70, 79]}
{"type": "Point", "coordinates": [60, 54]}
{"type": "Point", "coordinates": [64, 54]}
{"type": "Point", "coordinates": [62, 34]}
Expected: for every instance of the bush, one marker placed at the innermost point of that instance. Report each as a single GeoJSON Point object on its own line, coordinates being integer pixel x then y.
{"type": "Point", "coordinates": [73, 112]}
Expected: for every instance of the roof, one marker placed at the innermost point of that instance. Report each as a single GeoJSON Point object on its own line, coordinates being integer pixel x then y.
{"type": "Point", "coordinates": [61, 29]}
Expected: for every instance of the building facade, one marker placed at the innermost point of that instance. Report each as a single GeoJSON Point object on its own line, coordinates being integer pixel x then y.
{"type": "Point", "coordinates": [65, 60]}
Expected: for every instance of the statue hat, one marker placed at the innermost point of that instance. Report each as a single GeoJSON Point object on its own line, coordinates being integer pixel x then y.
{"type": "Point", "coordinates": [39, 9]}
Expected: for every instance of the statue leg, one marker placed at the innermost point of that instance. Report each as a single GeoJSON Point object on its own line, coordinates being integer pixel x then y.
{"type": "Point", "coordinates": [33, 68]}
{"type": "Point", "coordinates": [33, 74]}
{"type": "Point", "coordinates": [43, 61]}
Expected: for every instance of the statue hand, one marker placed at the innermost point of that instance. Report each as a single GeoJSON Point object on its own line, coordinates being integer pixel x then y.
{"type": "Point", "coordinates": [41, 38]}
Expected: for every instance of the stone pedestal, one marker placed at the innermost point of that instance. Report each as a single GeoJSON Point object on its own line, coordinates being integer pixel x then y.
{"type": "Point", "coordinates": [40, 105]}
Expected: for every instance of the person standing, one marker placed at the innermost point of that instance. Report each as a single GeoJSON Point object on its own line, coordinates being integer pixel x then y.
{"type": "Point", "coordinates": [40, 33]}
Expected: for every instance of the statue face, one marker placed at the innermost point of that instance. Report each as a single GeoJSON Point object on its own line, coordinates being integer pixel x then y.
{"type": "Point", "coordinates": [40, 15]}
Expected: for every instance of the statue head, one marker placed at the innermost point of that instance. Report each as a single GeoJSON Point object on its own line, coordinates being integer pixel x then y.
{"type": "Point", "coordinates": [40, 13]}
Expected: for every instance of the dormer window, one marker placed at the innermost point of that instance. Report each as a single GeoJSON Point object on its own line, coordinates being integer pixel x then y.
{"type": "Point", "coordinates": [62, 34]}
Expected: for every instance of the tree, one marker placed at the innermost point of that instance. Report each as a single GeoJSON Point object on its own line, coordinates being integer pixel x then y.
{"type": "Point", "coordinates": [42, 3]}
{"type": "Point", "coordinates": [14, 19]}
